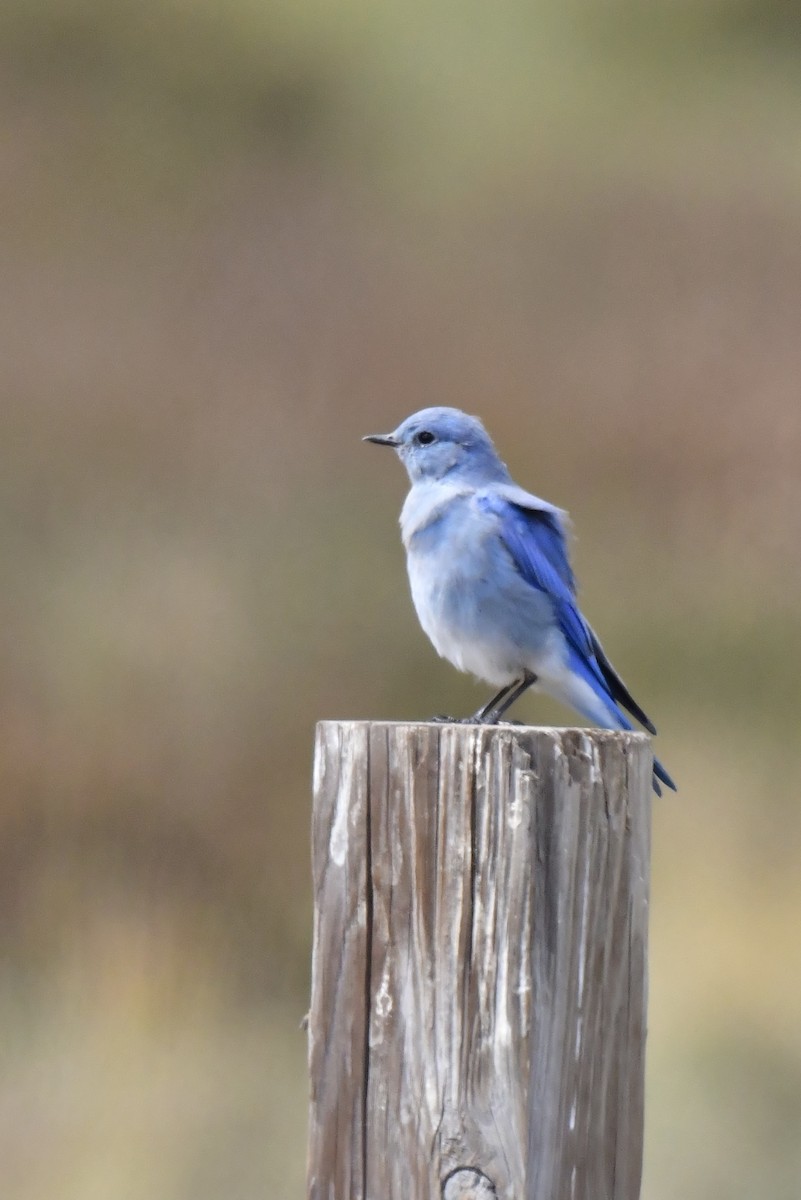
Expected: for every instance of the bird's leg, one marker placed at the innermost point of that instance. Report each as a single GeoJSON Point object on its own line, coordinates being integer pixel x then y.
{"type": "Point", "coordinates": [507, 700]}
{"type": "Point", "coordinates": [491, 712]}
{"type": "Point", "coordinates": [481, 716]}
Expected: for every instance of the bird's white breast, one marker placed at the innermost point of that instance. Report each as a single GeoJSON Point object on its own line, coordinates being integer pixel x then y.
{"type": "Point", "coordinates": [450, 546]}
{"type": "Point", "coordinates": [424, 504]}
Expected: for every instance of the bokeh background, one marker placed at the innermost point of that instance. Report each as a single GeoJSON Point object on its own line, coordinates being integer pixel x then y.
{"type": "Point", "coordinates": [235, 237]}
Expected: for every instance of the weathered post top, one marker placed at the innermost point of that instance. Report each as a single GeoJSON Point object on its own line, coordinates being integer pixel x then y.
{"type": "Point", "coordinates": [477, 1025]}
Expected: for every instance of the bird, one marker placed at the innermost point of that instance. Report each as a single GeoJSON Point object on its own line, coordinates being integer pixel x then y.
{"type": "Point", "coordinates": [491, 577]}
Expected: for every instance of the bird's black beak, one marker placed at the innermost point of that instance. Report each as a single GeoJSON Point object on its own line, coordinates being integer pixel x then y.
{"type": "Point", "coordinates": [381, 439]}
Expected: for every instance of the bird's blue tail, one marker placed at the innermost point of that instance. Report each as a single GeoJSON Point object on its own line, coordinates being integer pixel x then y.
{"type": "Point", "coordinates": [585, 689]}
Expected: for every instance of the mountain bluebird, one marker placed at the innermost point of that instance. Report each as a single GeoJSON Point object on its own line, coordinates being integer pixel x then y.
{"type": "Point", "coordinates": [491, 577]}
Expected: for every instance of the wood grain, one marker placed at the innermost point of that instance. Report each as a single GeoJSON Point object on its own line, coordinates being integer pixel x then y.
{"type": "Point", "coordinates": [477, 1025]}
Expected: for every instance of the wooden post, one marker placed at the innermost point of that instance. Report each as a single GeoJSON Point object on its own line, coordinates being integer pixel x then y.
{"type": "Point", "coordinates": [477, 1025]}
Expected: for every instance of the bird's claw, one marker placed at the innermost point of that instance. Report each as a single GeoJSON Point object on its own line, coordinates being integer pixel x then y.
{"type": "Point", "coordinates": [491, 718]}
{"type": "Point", "coordinates": [443, 720]}
{"type": "Point", "coordinates": [478, 718]}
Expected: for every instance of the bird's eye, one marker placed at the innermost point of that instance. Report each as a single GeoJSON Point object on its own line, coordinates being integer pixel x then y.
{"type": "Point", "coordinates": [425, 438]}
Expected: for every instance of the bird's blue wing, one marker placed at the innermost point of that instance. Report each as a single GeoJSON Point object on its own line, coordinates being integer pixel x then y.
{"type": "Point", "coordinates": [535, 539]}
{"type": "Point", "coordinates": [534, 535]}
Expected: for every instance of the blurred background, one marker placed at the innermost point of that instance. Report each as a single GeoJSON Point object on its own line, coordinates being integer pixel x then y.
{"type": "Point", "coordinates": [234, 238]}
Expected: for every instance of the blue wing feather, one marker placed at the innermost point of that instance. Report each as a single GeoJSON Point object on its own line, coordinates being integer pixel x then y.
{"type": "Point", "coordinates": [535, 539]}
{"type": "Point", "coordinates": [534, 535]}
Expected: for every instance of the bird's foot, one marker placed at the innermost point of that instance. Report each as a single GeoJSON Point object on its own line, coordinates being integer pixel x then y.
{"type": "Point", "coordinates": [491, 718]}
{"type": "Point", "coordinates": [479, 718]}
{"type": "Point", "coordinates": [484, 718]}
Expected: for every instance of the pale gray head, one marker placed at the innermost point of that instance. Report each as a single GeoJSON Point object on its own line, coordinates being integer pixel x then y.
{"type": "Point", "coordinates": [439, 442]}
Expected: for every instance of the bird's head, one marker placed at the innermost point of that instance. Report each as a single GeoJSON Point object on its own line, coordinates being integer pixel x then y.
{"type": "Point", "coordinates": [436, 442]}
